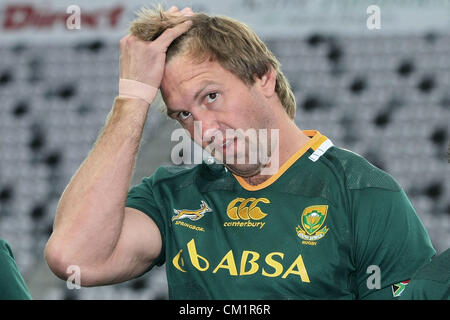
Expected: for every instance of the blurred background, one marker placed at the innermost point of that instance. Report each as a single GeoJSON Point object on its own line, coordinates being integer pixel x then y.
{"type": "Point", "coordinates": [377, 85]}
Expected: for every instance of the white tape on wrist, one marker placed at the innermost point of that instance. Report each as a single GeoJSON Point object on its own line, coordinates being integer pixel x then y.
{"type": "Point", "coordinates": [135, 89]}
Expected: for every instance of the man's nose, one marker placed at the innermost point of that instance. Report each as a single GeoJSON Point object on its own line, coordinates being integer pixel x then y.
{"type": "Point", "coordinates": [207, 125]}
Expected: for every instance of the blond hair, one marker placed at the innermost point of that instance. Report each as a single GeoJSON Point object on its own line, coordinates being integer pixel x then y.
{"type": "Point", "coordinates": [229, 42]}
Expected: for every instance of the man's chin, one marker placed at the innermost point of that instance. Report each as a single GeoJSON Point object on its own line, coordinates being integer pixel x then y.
{"type": "Point", "coordinates": [244, 170]}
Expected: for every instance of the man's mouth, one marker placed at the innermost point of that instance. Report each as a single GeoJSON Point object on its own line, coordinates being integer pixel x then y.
{"type": "Point", "coordinates": [226, 144]}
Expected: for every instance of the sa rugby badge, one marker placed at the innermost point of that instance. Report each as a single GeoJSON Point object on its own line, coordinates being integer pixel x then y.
{"type": "Point", "coordinates": [312, 220]}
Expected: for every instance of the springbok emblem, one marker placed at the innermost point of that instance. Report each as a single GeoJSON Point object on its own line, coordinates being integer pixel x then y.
{"type": "Point", "coordinates": [191, 214]}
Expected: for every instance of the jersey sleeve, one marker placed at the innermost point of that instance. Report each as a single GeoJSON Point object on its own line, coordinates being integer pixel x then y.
{"type": "Point", "coordinates": [390, 242]}
{"type": "Point", "coordinates": [142, 198]}
{"type": "Point", "coordinates": [12, 285]}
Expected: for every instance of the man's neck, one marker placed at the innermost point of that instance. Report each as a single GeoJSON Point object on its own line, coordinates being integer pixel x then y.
{"type": "Point", "coordinates": [291, 139]}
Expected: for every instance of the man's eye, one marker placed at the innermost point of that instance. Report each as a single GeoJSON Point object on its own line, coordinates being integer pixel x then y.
{"type": "Point", "coordinates": [183, 115]}
{"type": "Point", "coordinates": [212, 97]}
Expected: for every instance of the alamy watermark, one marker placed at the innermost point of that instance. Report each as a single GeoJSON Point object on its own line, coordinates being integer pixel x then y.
{"type": "Point", "coordinates": [73, 21]}
{"type": "Point", "coordinates": [373, 21]}
{"type": "Point", "coordinates": [234, 147]}
{"type": "Point", "coordinates": [374, 280]}
{"type": "Point", "coordinates": [74, 280]}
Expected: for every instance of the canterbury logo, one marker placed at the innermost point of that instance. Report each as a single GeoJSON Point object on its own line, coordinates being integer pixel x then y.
{"type": "Point", "coordinates": [246, 209]}
{"type": "Point", "coordinates": [191, 214]}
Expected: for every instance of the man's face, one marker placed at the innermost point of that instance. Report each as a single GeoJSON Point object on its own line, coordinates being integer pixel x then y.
{"type": "Point", "coordinates": [229, 113]}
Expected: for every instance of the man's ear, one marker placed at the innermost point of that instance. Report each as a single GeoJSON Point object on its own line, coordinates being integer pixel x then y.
{"type": "Point", "coordinates": [267, 82]}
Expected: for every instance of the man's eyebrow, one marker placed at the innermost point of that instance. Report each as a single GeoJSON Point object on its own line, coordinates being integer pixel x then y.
{"type": "Point", "coordinates": [203, 88]}
{"type": "Point", "coordinates": [170, 112]}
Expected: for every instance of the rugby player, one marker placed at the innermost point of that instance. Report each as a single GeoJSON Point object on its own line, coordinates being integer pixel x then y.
{"type": "Point", "coordinates": [326, 224]}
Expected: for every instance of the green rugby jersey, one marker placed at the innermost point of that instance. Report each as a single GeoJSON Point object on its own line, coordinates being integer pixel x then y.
{"type": "Point", "coordinates": [12, 285]}
{"type": "Point", "coordinates": [327, 225]}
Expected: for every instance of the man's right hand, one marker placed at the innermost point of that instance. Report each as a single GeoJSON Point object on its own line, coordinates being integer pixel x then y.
{"type": "Point", "coordinates": [144, 61]}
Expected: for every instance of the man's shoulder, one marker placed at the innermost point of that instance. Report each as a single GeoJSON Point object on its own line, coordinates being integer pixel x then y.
{"type": "Point", "coordinates": [168, 173]}
{"type": "Point", "coordinates": [358, 172]}
{"type": "Point", "coordinates": [6, 255]}
{"type": "Point", "coordinates": [172, 171]}
{"type": "Point", "coordinates": [182, 176]}
{"type": "Point", "coordinates": [5, 249]}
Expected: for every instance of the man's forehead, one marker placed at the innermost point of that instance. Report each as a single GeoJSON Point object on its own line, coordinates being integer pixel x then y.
{"type": "Point", "coordinates": [184, 76]}
{"type": "Point", "coordinates": [183, 68]}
